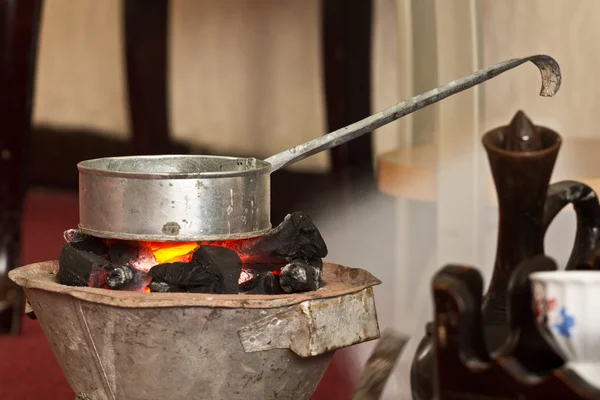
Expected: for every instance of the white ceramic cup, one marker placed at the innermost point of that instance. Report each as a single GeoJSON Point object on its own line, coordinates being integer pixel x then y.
{"type": "Point", "coordinates": [567, 305]}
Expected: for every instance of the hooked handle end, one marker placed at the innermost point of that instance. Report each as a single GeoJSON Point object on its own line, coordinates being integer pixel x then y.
{"type": "Point", "coordinates": [551, 76]}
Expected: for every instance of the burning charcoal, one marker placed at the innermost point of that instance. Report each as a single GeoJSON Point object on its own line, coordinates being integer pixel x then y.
{"type": "Point", "coordinates": [318, 266]}
{"type": "Point", "coordinates": [262, 268]}
{"type": "Point", "coordinates": [211, 270]}
{"type": "Point", "coordinates": [74, 236]}
{"type": "Point", "coordinates": [224, 260]}
{"type": "Point", "coordinates": [271, 284]}
{"type": "Point", "coordinates": [133, 254]}
{"type": "Point", "coordinates": [189, 275]}
{"type": "Point", "coordinates": [77, 267]}
{"type": "Point", "coordinates": [319, 276]}
{"type": "Point", "coordinates": [84, 242]}
{"type": "Point", "coordinates": [120, 277]}
{"type": "Point", "coordinates": [259, 279]}
{"type": "Point", "coordinates": [299, 277]}
{"type": "Point", "coordinates": [122, 253]}
{"type": "Point", "coordinates": [164, 287]}
{"type": "Point", "coordinates": [125, 277]}
{"type": "Point", "coordinates": [316, 263]}
{"type": "Point", "coordinates": [249, 279]}
{"type": "Point", "coordinates": [295, 237]}
{"type": "Point", "coordinates": [265, 282]}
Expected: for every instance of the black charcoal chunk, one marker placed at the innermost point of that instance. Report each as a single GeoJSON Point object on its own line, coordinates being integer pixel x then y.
{"type": "Point", "coordinates": [271, 284]}
{"type": "Point", "coordinates": [120, 277]}
{"type": "Point", "coordinates": [164, 287]}
{"type": "Point", "coordinates": [125, 277]}
{"type": "Point", "coordinates": [305, 239]}
{"type": "Point", "coordinates": [225, 260]}
{"type": "Point", "coordinates": [299, 277]}
{"type": "Point", "coordinates": [262, 282]}
{"type": "Point", "coordinates": [296, 237]}
{"type": "Point", "coordinates": [258, 267]}
{"type": "Point", "coordinates": [83, 242]}
{"type": "Point", "coordinates": [74, 236]}
{"type": "Point", "coordinates": [189, 275]}
{"type": "Point", "coordinates": [250, 280]}
{"type": "Point", "coordinates": [211, 270]}
{"type": "Point", "coordinates": [316, 263]}
{"type": "Point", "coordinates": [122, 253]}
{"type": "Point", "coordinates": [77, 267]}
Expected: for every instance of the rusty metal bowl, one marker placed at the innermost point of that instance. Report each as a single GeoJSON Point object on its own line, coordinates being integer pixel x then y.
{"type": "Point", "coordinates": [182, 346]}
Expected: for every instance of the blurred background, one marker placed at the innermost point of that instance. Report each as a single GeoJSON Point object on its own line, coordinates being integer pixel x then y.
{"type": "Point", "coordinates": [254, 77]}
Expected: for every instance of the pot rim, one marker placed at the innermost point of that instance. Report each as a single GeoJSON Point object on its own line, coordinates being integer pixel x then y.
{"type": "Point", "coordinates": [159, 237]}
{"type": "Point", "coordinates": [98, 166]}
{"type": "Point", "coordinates": [340, 281]}
{"type": "Point", "coordinates": [567, 276]}
{"type": "Point", "coordinates": [488, 137]}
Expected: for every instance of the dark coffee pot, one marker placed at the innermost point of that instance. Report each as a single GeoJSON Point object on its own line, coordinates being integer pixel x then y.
{"type": "Point", "coordinates": [522, 157]}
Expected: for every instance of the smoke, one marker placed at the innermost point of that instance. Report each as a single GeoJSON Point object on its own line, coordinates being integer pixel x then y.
{"type": "Point", "coordinates": [361, 232]}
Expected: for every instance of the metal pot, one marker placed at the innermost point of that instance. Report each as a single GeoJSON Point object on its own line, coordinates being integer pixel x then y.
{"type": "Point", "coordinates": [206, 198]}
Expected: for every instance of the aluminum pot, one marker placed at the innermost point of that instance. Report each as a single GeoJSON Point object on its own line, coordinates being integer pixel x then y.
{"type": "Point", "coordinates": [206, 198]}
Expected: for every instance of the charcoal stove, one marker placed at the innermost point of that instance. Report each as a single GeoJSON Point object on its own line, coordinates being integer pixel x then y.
{"type": "Point", "coordinates": [125, 345]}
{"type": "Point", "coordinates": [213, 336]}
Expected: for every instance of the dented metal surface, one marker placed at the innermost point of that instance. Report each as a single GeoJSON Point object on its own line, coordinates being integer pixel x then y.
{"type": "Point", "coordinates": [317, 326]}
{"type": "Point", "coordinates": [155, 346]}
{"type": "Point", "coordinates": [165, 198]}
{"type": "Point", "coordinates": [178, 198]}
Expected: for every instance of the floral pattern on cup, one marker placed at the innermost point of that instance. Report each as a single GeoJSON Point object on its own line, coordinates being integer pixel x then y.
{"type": "Point", "coordinates": [569, 317]}
{"type": "Point", "coordinates": [566, 324]}
{"type": "Point", "coordinates": [542, 307]}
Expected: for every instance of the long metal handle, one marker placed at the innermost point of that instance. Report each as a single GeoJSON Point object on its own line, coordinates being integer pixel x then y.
{"type": "Point", "coordinates": [551, 79]}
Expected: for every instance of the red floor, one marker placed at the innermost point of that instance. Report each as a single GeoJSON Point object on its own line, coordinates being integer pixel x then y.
{"type": "Point", "coordinates": [28, 370]}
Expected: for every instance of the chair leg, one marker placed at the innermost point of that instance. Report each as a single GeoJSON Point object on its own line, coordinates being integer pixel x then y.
{"type": "Point", "coordinates": [146, 55]}
{"type": "Point", "coordinates": [19, 29]}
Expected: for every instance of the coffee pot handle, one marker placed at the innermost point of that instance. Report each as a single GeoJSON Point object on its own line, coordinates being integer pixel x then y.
{"type": "Point", "coordinates": [587, 210]}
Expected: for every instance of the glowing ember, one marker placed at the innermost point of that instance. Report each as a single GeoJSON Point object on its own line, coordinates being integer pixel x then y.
{"type": "Point", "coordinates": [169, 252]}
{"type": "Point", "coordinates": [149, 254]}
{"type": "Point", "coordinates": [144, 261]}
{"type": "Point", "coordinates": [286, 259]}
{"type": "Point", "coordinates": [235, 245]}
{"type": "Point", "coordinates": [245, 276]}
